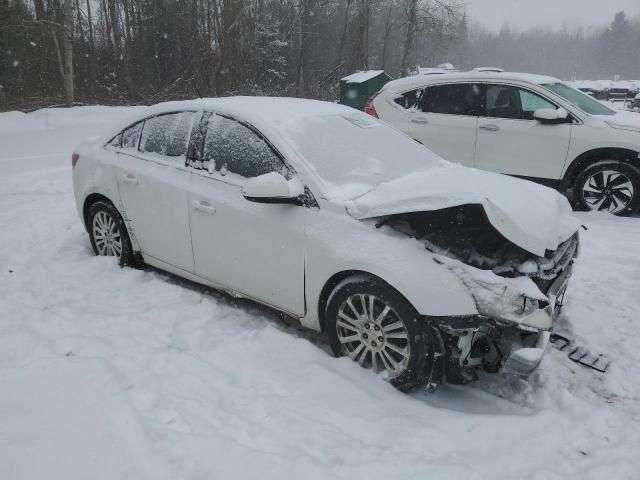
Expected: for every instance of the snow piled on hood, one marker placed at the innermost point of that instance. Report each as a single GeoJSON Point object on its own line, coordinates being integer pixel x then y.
{"type": "Point", "coordinates": [534, 217]}
{"type": "Point", "coordinates": [624, 120]}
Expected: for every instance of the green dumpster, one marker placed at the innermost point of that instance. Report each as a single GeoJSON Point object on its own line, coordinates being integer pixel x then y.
{"type": "Point", "coordinates": [358, 87]}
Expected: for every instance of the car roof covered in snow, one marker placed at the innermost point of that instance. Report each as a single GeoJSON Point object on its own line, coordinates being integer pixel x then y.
{"type": "Point", "coordinates": [420, 80]}
{"type": "Point", "coordinates": [255, 109]}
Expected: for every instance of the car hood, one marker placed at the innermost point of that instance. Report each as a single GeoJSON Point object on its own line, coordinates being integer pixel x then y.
{"type": "Point", "coordinates": [533, 217]}
{"type": "Point", "coordinates": [623, 120]}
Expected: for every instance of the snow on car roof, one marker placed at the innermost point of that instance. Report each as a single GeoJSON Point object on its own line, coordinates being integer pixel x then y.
{"type": "Point", "coordinates": [362, 76]}
{"type": "Point", "coordinates": [264, 113]}
{"type": "Point", "coordinates": [416, 81]}
{"type": "Point", "coordinates": [263, 110]}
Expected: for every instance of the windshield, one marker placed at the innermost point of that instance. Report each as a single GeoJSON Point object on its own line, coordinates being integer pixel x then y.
{"type": "Point", "coordinates": [353, 152]}
{"type": "Point", "coordinates": [576, 97]}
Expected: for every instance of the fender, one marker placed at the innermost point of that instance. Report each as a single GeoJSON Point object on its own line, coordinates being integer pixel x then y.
{"type": "Point", "coordinates": [597, 154]}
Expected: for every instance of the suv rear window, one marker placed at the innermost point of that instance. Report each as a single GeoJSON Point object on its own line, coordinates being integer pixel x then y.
{"type": "Point", "coordinates": [409, 99]}
{"type": "Point", "coordinates": [453, 99]}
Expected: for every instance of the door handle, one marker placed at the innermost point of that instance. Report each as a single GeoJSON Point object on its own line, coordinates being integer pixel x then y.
{"type": "Point", "coordinates": [491, 127]}
{"type": "Point", "coordinates": [127, 177]}
{"type": "Point", "coordinates": [203, 206]}
{"type": "Point", "coordinates": [419, 120]}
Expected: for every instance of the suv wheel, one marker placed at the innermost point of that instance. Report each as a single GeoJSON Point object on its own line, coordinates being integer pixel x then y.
{"type": "Point", "coordinates": [376, 327]}
{"type": "Point", "coordinates": [108, 233]}
{"type": "Point", "coordinates": [608, 186]}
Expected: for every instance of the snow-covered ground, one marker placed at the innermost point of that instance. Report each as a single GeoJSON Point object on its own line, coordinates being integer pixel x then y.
{"type": "Point", "coordinates": [110, 373]}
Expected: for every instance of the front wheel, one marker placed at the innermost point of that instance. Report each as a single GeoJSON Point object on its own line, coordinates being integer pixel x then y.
{"type": "Point", "coordinates": [108, 233]}
{"type": "Point", "coordinates": [608, 186]}
{"type": "Point", "coordinates": [376, 327]}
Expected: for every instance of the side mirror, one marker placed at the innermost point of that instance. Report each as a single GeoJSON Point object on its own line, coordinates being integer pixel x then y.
{"type": "Point", "coordinates": [273, 188]}
{"type": "Point", "coordinates": [551, 115]}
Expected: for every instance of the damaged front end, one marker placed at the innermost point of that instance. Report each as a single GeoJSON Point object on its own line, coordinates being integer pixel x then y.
{"type": "Point", "coordinates": [517, 294]}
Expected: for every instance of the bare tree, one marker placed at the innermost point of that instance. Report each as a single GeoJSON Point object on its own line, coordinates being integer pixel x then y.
{"type": "Point", "coordinates": [68, 52]}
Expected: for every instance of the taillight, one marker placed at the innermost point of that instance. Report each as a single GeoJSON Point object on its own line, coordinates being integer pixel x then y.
{"type": "Point", "coordinates": [74, 159]}
{"type": "Point", "coordinates": [368, 107]}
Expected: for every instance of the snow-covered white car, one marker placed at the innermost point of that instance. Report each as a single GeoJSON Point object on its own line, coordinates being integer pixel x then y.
{"type": "Point", "coordinates": [529, 126]}
{"type": "Point", "coordinates": [415, 267]}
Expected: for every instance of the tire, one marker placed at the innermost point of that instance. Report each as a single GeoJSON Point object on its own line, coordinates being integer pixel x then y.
{"type": "Point", "coordinates": [610, 186]}
{"type": "Point", "coordinates": [108, 233]}
{"type": "Point", "coordinates": [374, 341]}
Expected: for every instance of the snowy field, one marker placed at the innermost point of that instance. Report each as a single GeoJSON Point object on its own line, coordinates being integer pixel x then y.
{"type": "Point", "coordinates": [110, 373]}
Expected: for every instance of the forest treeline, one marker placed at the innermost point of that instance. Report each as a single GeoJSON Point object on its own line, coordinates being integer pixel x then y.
{"type": "Point", "coordinates": [145, 51]}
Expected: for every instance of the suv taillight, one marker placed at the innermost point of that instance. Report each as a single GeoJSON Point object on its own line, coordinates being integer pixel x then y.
{"type": "Point", "coordinates": [368, 107]}
{"type": "Point", "coordinates": [74, 159]}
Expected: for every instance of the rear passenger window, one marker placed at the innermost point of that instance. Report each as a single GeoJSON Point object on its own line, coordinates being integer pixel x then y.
{"type": "Point", "coordinates": [131, 136]}
{"type": "Point", "coordinates": [166, 134]}
{"type": "Point", "coordinates": [230, 147]}
{"type": "Point", "coordinates": [454, 99]}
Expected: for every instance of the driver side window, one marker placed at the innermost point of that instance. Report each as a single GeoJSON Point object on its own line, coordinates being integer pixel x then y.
{"type": "Point", "coordinates": [532, 102]}
{"type": "Point", "coordinates": [231, 147]}
{"type": "Point", "coordinates": [506, 101]}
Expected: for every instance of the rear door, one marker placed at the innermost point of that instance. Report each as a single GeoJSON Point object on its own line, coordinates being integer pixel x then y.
{"type": "Point", "coordinates": [255, 249]}
{"type": "Point", "coordinates": [447, 121]}
{"type": "Point", "coordinates": [153, 181]}
{"type": "Point", "coordinates": [509, 139]}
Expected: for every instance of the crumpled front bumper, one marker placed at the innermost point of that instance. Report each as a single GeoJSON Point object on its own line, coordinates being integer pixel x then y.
{"type": "Point", "coordinates": [525, 361]}
{"type": "Point", "coordinates": [501, 342]}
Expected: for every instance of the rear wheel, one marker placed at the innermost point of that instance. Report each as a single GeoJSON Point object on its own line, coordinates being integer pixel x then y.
{"type": "Point", "coordinates": [608, 186]}
{"type": "Point", "coordinates": [376, 327]}
{"type": "Point", "coordinates": [108, 233]}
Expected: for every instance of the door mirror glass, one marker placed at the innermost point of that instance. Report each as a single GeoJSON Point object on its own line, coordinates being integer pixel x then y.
{"type": "Point", "coordinates": [273, 188]}
{"type": "Point", "coordinates": [551, 115]}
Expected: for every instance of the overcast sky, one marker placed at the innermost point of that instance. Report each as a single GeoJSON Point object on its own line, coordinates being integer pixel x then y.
{"type": "Point", "coordinates": [552, 13]}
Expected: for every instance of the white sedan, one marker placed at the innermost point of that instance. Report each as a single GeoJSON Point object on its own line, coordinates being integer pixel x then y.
{"type": "Point", "coordinates": [416, 268]}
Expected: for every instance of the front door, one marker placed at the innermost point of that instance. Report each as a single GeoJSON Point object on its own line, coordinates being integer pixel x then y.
{"type": "Point", "coordinates": [254, 249]}
{"type": "Point", "coordinates": [509, 139]}
{"type": "Point", "coordinates": [447, 121]}
{"type": "Point", "coordinates": [154, 183]}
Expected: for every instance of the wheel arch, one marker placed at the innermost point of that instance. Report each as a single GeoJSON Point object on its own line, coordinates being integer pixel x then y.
{"type": "Point", "coordinates": [335, 279]}
{"type": "Point", "coordinates": [89, 201]}
{"type": "Point", "coordinates": [590, 157]}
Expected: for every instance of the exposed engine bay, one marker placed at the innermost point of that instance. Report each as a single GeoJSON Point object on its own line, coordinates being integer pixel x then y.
{"type": "Point", "coordinates": [464, 233]}
{"type": "Point", "coordinates": [517, 293]}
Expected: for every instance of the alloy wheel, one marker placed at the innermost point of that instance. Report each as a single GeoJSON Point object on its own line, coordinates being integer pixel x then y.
{"type": "Point", "coordinates": [106, 234]}
{"type": "Point", "coordinates": [608, 190]}
{"type": "Point", "coordinates": [372, 334]}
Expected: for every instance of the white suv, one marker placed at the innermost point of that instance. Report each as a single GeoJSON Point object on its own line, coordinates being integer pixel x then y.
{"type": "Point", "coordinates": [529, 126]}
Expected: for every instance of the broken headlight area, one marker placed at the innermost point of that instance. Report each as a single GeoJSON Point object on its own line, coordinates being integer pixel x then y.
{"type": "Point", "coordinates": [507, 282]}
{"type": "Point", "coordinates": [464, 233]}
